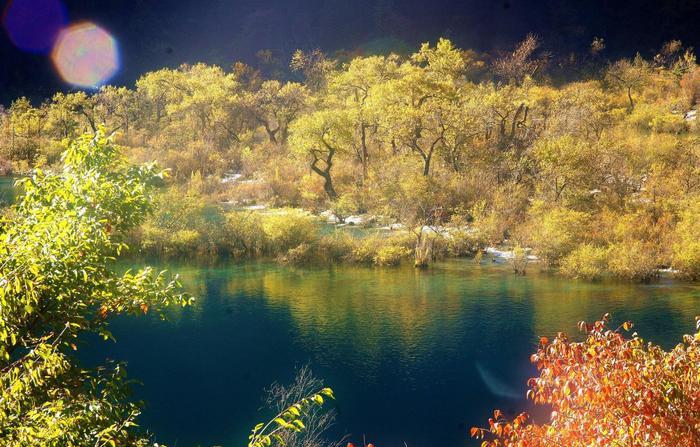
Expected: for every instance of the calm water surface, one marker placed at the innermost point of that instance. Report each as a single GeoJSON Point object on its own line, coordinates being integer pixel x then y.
{"type": "Point", "coordinates": [413, 356]}
{"type": "Point", "coordinates": [7, 190]}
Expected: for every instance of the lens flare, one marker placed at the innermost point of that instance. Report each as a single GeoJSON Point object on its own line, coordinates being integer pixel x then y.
{"type": "Point", "coordinates": [33, 25]}
{"type": "Point", "coordinates": [85, 55]}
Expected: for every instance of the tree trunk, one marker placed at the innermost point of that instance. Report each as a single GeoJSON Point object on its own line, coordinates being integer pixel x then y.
{"type": "Point", "coordinates": [328, 186]}
{"type": "Point", "coordinates": [326, 173]}
{"type": "Point", "coordinates": [629, 96]}
{"type": "Point", "coordinates": [365, 153]}
{"type": "Point", "coordinates": [424, 250]}
{"type": "Point", "coordinates": [426, 165]}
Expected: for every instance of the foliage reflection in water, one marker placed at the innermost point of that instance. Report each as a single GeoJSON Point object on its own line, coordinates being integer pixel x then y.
{"type": "Point", "coordinates": [414, 356]}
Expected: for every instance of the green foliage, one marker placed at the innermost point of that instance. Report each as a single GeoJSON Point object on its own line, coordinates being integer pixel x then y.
{"type": "Point", "coordinates": [658, 119]}
{"type": "Point", "coordinates": [300, 255]}
{"type": "Point", "coordinates": [422, 139]}
{"type": "Point", "coordinates": [686, 250]}
{"type": "Point", "coordinates": [381, 250]}
{"type": "Point", "coordinates": [57, 282]}
{"type": "Point", "coordinates": [244, 234]}
{"type": "Point", "coordinates": [336, 247]}
{"type": "Point", "coordinates": [519, 260]}
{"type": "Point", "coordinates": [183, 224]}
{"type": "Point", "coordinates": [289, 419]}
{"type": "Point", "coordinates": [555, 233]}
{"type": "Point", "coordinates": [288, 228]}
{"type": "Point", "coordinates": [586, 261]}
{"type": "Point", "coordinates": [632, 260]}
{"type": "Point", "coordinates": [391, 255]}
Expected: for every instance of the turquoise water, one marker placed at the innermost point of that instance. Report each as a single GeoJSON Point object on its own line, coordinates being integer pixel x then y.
{"type": "Point", "coordinates": [7, 190]}
{"type": "Point", "coordinates": [413, 356]}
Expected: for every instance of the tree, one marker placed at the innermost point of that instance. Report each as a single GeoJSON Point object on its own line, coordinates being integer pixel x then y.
{"type": "Point", "coordinates": [554, 233]}
{"type": "Point", "coordinates": [118, 106]}
{"type": "Point", "coordinates": [354, 88]}
{"type": "Point", "coordinates": [608, 390]}
{"type": "Point", "coordinates": [320, 137]}
{"type": "Point", "coordinates": [417, 202]}
{"type": "Point", "coordinates": [57, 282]}
{"type": "Point", "coordinates": [629, 76]}
{"type": "Point", "coordinates": [686, 249]}
{"type": "Point", "coordinates": [26, 127]}
{"type": "Point", "coordinates": [314, 65]}
{"type": "Point", "coordinates": [521, 63]}
{"type": "Point", "coordinates": [416, 106]}
{"type": "Point", "coordinates": [566, 169]}
{"type": "Point", "coordinates": [274, 106]}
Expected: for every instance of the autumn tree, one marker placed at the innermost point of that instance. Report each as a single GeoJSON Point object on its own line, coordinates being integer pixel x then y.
{"type": "Point", "coordinates": [25, 127]}
{"type": "Point", "coordinates": [274, 106]}
{"type": "Point", "coordinates": [320, 138]}
{"type": "Point", "coordinates": [356, 87]}
{"type": "Point", "coordinates": [314, 66]}
{"type": "Point", "coordinates": [629, 76]}
{"type": "Point", "coordinates": [566, 169]}
{"type": "Point", "coordinates": [608, 390]}
{"type": "Point", "coordinates": [417, 105]}
{"type": "Point", "coordinates": [522, 62]}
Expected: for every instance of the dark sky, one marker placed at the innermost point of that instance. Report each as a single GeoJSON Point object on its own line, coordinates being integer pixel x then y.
{"type": "Point", "coordinates": [157, 33]}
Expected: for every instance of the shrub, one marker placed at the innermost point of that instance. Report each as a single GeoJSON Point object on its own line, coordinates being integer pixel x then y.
{"type": "Point", "coordinates": [183, 242]}
{"type": "Point", "coordinates": [380, 250]}
{"type": "Point", "coordinates": [336, 247]}
{"type": "Point", "coordinates": [288, 228]}
{"type": "Point", "coordinates": [657, 119]}
{"type": "Point", "coordinates": [587, 261]}
{"type": "Point", "coordinates": [669, 122]}
{"type": "Point", "coordinates": [390, 255]}
{"type": "Point", "coordinates": [183, 224]}
{"type": "Point", "coordinates": [346, 205]}
{"type": "Point", "coordinates": [686, 249]}
{"type": "Point", "coordinates": [555, 233]}
{"type": "Point", "coordinates": [632, 260]}
{"type": "Point", "coordinates": [244, 234]}
{"type": "Point", "coordinates": [365, 250]}
{"type": "Point", "coordinates": [519, 260]}
{"type": "Point", "coordinates": [686, 259]}
{"type": "Point", "coordinates": [461, 242]}
{"type": "Point", "coordinates": [299, 255]}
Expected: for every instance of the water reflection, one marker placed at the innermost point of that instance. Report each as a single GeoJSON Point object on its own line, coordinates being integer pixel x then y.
{"type": "Point", "coordinates": [443, 346]}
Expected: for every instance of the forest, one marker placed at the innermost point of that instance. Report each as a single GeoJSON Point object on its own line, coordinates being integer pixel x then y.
{"type": "Point", "coordinates": [594, 174]}
{"type": "Point", "coordinates": [577, 165]}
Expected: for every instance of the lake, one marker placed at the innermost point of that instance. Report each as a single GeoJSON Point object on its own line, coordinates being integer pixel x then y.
{"type": "Point", "coordinates": [8, 191]}
{"type": "Point", "coordinates": [413, 356]}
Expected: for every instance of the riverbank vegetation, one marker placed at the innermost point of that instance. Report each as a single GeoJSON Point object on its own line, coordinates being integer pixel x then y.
{"type": "Point", "coordinates": [57, 282]}
{"type": "Point", "coordinates": [591, 164]}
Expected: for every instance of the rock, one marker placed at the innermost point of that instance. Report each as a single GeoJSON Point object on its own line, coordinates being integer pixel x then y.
{"type": "Point", "coordinates": [231, 177]}
{"type": "Point", "coordinates": [330, 217]}
{"type": "Point", "coordinates": [507, 254]}
{"type": "Point", "coordinates": [362, 219]}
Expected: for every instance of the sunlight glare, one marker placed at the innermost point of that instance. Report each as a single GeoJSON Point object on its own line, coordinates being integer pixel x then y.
{"type": "Point", "coordinates": [85, 55]}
